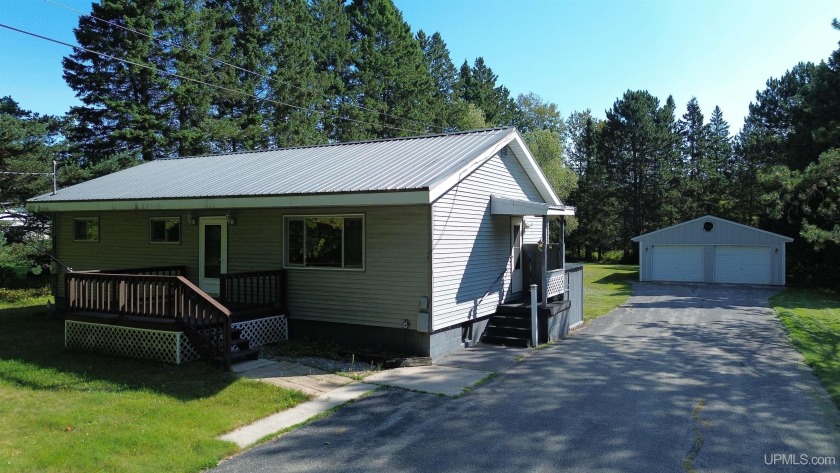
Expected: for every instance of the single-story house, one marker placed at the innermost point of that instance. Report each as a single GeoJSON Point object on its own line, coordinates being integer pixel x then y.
{"type": "Point", "coordinates": [712, 250]}
{"type": "Point", "coordinates": [406, 244]}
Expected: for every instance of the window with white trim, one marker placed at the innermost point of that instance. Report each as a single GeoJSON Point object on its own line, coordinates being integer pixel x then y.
{"type": "Point", "coordinates": [165, 230]}
{"type": "Point", "coordinates": [86, 229]}
{"type": "Point", "coordinates": [325, 241]}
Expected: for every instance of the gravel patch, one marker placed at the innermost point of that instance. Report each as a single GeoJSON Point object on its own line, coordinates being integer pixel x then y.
{"type": "Point", "coordinates": [331, 366]}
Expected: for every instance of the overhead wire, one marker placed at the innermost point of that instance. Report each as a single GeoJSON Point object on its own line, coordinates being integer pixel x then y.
{"type": "Point", "coordinates": [198, 81]}
{"type": "Point", "coordinates": [234, 66]}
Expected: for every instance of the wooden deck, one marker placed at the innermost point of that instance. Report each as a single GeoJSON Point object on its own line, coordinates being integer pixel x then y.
{"type": "Point", "coordinates": [162, 298]}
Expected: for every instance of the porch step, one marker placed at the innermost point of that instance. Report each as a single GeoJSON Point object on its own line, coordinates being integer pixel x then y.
{"type": "Point", "coordinates": [241, 343]}
{"type": "Point", "coordinates": [509, 326]}
{"type": "Point", "coordinates": [506, 341]}
{"type": "Point", "coordinates": [239, 355]}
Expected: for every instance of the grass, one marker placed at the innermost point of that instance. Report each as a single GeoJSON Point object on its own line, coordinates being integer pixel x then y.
{"type": "Point", "coordinates": [13, 298]}
{"type": "Point", "coordinates": [72, 411]}
{"type": "Point", "coordinates": [813, 322]}
{"type": "Point", "coordinates": [605, 287]}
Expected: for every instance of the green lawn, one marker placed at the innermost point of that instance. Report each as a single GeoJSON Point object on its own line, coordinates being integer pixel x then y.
{"type": "Point", "coordinates": [813, 322]}
{"type": "Point", "coordinates": [605, 287]}
{"type": "Point", "coordinates": [72, 411]}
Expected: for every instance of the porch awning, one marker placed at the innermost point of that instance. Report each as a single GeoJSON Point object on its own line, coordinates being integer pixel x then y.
{"type": "Point", "coordinates": [503, 206]}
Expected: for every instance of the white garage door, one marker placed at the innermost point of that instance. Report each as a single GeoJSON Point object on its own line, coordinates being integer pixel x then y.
{"type": "Point", "coordinates": [743, 264]}
{"type": "Point", "coordinates": [677, 263]}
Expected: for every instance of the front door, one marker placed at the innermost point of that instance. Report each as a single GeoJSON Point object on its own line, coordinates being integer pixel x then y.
{"type": "Point", "coordinates": [516, 255]}
{"type": "Point", "coordinates": [212, 253]}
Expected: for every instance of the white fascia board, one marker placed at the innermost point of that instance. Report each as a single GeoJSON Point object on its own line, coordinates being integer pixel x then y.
{"type": "Point", "coordinates": [533, 170]}
{"type": "Point", "coordinates": [438, 189]}
{"type": "Point", "coordinates": [312, 200]}
{"type": "Point", "coordinates": [562, 212]}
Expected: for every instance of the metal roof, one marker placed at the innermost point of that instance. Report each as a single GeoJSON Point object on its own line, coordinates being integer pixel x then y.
{"type": "Point", "coordinates": [373, 166]}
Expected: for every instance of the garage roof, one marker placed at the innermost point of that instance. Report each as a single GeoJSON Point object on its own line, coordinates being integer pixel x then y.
{"type": "Point", "coordinates": [711, 230]}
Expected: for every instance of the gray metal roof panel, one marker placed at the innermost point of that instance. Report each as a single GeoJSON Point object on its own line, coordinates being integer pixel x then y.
{"type": "Point", "coordinates": [384, 165]}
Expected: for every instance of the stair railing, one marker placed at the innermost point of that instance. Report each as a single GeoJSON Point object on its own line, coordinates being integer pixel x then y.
{"type": "Point", "coordinates": [205, 321]}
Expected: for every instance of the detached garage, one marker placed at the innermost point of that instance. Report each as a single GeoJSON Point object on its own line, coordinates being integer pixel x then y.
{"type": "Point", "coordinates": [712, 250]}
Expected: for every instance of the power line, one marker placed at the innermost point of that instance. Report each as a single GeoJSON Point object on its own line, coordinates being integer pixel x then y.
{"type": "Point", "coordinates": [207, 84]}
{"type": "Point", "coordinates": [238, 68]}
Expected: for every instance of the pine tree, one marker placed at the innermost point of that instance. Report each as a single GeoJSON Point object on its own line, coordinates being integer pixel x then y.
{"type": "Point", "coordinates": [333, 66]}
{"type": "Point", "coordinates": [637, 147]}
{"type": "Point", "coordinates": [121, 103]}
{"type": "Point", "coordinates": [390, 78]}
{"type": "Point", "coordinates": [295, 86]}
{"type": "Point", "coordinates": [185, 43]}
{"type": "Point", "coordinates": [240, 38]}
{"type": "Point", "coordinates": [477, 85]}
{"type": "Point", "coordinates": [447, 106]}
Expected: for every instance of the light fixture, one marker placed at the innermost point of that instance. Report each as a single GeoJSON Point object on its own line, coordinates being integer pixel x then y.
{"type": "Point", "coordinates": [230, 219]}
{"type": "Point", "coordinates": [190, 218]}
{"type": "Point", "coordinates": [540, 245]}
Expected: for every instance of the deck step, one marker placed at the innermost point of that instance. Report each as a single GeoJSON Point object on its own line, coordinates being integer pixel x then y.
{"type": "Point", "coordinates": [239, 355]}
{"type": "Point", "coordinates": [508, 321]}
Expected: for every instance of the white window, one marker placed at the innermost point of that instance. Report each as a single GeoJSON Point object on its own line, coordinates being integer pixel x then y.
{"type": "Point", "coordinates": [86, 229]}
{"type": "Point", "coordinates": [325, 241]}
{"type": "Point", "coordinates": [165, 230]}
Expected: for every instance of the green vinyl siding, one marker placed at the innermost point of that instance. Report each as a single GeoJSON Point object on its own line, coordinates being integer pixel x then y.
{"type": "Point", "coordinates": [387, 291]}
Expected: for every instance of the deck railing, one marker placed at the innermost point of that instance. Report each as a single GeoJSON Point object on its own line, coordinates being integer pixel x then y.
{"type": "Point", "coordinates": [253, 289]}
{"type": "Point", "coordinates": [205, 321]}
{"type": "Point", "coordinates": [174, 270]}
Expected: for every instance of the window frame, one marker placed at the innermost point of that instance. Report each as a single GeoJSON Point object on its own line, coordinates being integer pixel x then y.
{"type": "Point", "coordinates": [88, 219]}
{"type": "Point", "coordinates": [165, 242]}
{"type": "Point", "coordinates": [286, 246]}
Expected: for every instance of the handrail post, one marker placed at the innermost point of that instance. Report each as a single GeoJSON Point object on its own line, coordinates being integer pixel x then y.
{"type": "Point", "coordinates": [534, 334]}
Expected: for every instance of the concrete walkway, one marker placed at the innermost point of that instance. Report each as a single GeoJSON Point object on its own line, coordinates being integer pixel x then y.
{"type": "Point", "coordinates": [310, 381]}
{"type": "Point", "coordinates": [330, 390]}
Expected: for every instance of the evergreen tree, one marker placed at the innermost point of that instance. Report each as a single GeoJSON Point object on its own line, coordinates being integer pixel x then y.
{"type": "Point", "coordinates": [121, 103]}
{"type": "Point", "coordinates": [477, 85]}
{"type": "Point", "coordinates": [719, 167]}
{"type": "Point", "coordinates": [390, 78]}
{"type": "Point", "coordinates": [694, 135]}
{"type": "Point", "coordinates": [333, 66]}
{"type": "Point", "coordinates": [447, 106]}
{"type": "Point", "coordinates": [240, 37]}
{"type": "Point", "coordinates": [637, 148]}
{"type": "Point", "coordinates": [295, 83]}
{"type": "Point", "coordinates": [185, 41]}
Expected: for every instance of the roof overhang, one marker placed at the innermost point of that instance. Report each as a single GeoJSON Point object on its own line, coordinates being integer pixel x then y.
{"type": "Point", "coordinates": [413, 197]}
{"type": "Point", "coordinates": [504, 206]}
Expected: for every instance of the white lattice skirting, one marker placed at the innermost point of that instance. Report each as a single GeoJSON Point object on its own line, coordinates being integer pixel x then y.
{"type": "Point", "coordinates": [556, 283]}
{"type": "Point", "coordinates": [160, 345]}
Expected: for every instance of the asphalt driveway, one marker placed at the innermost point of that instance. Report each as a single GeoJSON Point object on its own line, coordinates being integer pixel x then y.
{"type": "Point", "coordinates": [682, 377]}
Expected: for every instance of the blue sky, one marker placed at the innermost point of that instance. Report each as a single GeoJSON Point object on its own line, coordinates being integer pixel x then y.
{"type": "Point", "coordinates": [578, 54]}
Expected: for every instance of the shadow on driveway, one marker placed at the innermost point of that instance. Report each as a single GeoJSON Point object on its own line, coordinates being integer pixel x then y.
{"type": "Point", "coordinates": [681, 376]}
